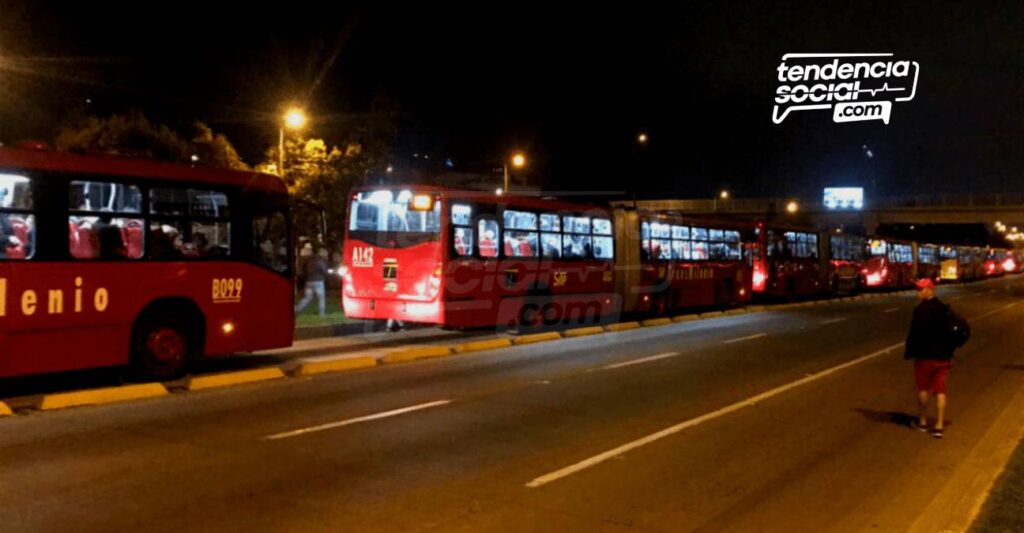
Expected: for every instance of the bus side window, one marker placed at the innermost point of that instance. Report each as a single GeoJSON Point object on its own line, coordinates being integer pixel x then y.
{"type": "Point", "coordinates": [488, 234]}
{"type": "Point", "coordinates": [17, 223]}
{"type": "Point", "coordinates": [97, 227]}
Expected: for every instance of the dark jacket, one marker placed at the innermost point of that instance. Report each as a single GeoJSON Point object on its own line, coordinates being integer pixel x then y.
{"type": "Point", "coordinates": [929, 336]}
{"type": "Point", "coordinates": [315, 269]}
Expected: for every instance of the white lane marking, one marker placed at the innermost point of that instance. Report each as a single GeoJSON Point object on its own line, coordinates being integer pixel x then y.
{"type": "Point", "coordinates": [891, 310]}
{"type": "Point", "coordinates": [753, 400]}
{"type": "Point", "coordinates": [747, 338]}
{"type": "Point", "coordinates": [357, 420]}
{"type": "Point", "coordinates": [833, 320]}
{"type": "Point", "coordinates": [641, 360]}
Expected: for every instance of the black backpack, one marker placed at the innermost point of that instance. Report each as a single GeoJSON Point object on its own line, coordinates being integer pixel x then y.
{"type": "Point", "coordinates": [959, 329]}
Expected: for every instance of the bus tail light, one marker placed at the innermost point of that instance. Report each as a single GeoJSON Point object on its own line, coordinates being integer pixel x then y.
{"type": "Point", "coordinates": [227, 328]}
{"type": "Point", "coordinates": [435, 280]}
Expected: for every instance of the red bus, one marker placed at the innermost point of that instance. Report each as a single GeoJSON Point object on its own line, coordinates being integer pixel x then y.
{"type": "Point", "coordinates": [111, 261]}
{"type": "Point", "coordinates": [971, 264]}
{"type": "Point", "coordinates": [995, 262]}
{"type": "Point", "coordinates": [846, 254]}
{"type": "Point", "coordinates": [788, 262]}
{"type": "Point", "coordinates": [890, 264]}
{"type": "Point", "coordinates": [465, 259]}
{"type": "Point", "coordinates": [682, 262]}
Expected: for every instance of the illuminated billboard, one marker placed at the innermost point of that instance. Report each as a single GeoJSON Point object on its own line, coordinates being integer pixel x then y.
{"type": "Point", "coordinates": [844, 198]}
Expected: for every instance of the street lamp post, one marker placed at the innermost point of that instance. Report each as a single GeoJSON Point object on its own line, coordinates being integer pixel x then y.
{"type": "Point", "coordinates": [518, 161]}
{"type": "Point", "coordinates": [294, 119]}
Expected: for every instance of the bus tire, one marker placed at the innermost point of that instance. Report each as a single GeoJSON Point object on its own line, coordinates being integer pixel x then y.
{"type": "Point", "coordinates": [164, 340]}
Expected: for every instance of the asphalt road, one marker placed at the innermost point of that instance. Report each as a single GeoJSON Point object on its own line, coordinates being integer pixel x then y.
{"type": "Point", "coordinates": [778, 421]}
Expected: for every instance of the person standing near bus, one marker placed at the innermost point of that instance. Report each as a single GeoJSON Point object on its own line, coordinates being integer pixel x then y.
{"type": "Point", "coordinates": [316, 274]}
{"type": "Point", "coordinates": [933, 336]}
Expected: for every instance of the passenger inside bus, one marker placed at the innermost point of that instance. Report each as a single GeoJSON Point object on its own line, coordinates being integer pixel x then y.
{"type": "Point", "coordinates": [463, 243]}
{"type": "Point", "coordinates": [488, 248]}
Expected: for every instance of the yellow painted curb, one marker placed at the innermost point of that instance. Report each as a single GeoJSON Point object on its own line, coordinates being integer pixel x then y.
{"type": "Point", "coordinates": [757, 308]}
{"type": "Point", "coordinates": [226, 379]}
{"type": "Point", "coordinates": [4, 410]}
{"type": "Point", "coordinates": [712, 314]}
{"type": "Point", "coordinates": [413, 354]}
{"type": "Point", "coordinates": [313, 368]}
{"type": "Point", "coordinates": [656, 322]}
{"type": "Point", "coordinates": [685, 318]}
{"type": "Point", "coordinates": [734, 312]}
{"type": "Point", "coordinates": [537, 337]}
{"type": "Point", "coordinates": [479, 346]}
{"type": "Point", "coordinates": [622, 326]}
{"type": "Point", "coordinates": [100, 396]}
{"type": "Point", "coordinates": [582, 332]}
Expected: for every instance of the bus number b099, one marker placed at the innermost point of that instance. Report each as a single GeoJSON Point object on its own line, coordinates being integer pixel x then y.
{"type": "Point", "coordinates": [227, 290]}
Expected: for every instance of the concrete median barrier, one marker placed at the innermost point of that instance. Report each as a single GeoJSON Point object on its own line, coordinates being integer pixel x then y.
{"type": "Point", "coordinates": [479, 346]}
{"type": "Point", "coordinates": [414, 354]}
{"type": "Point", "coordinates": [102, 396]}
{"type": "Point", "coordinates": [652, 322]}
{"type": "Point", "coordinates": [685, 318]}
{"type": "Point", "coordinates": [313, 368]}
{"type": "Point", "coordinates": [536, 337]}
{"type": "Point", "coordinates": [582, 332]}
{"type": "Point", "coordinates": [622, 326]}
{"type": "Point", "coordinates": [711, 314]}
{"type": "Point", "coordinates": [734, 312]}
{"type": "Point", "coordinates": [226, 379]}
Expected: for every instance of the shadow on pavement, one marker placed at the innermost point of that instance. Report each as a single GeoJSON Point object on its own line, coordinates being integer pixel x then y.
{"type": "Point", "coordinates": [891, 417]}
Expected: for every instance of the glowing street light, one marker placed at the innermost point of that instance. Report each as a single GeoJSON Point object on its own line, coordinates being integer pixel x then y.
{"type": "Point", "coordinates": [724, 195]}
{"type": "Point", "coordinates": [641, 138]}
{"type": "Point", "coordinates": [294, 119]}
{"type": "Point", "coordinates": [792, 206]}
{"type": "Point", "coordinates": [498, 191]}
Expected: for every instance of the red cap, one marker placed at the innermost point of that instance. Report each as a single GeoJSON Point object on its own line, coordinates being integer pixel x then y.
{"type": "Point", "coordinates": [924, 283]}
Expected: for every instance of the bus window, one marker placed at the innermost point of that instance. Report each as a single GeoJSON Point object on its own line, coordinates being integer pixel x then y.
{"type": "Point", "coordinates": [520, 243]}
{"type": "Point", "coordinates": [604, 248]}
{"type": "Point", "coordinates": [576, 246]}
{"type": "Point", "coordinates": [520, 220]}
{"type": "Point", "coordinates": [645, 241]}
{"type": "Point", "coordinates": [188, 223]}
{"type": "Point", "coordinates": [270, 241]}
{"type": "Point", "coordinates": [602, 226]}
{"type": "Point", "coordinates": [699, 251]}
{"type": "Point", "coordinates": [461, 214]}
{"type": "Point", "coordinates": [17, 223]}
{"type": "Point", "coordinates": [94, 230]}
{"type": "Point", "coordinates": [551, 243]}
{"type": "Point", "coordinates": [463, 241]}
{"type": "Point", "coordinates": [577, 225]}
{"type": "Point", "coordinates": [681, 232]}
{"type": "Point", "coordinates": [550, 222]}
{"type": "Point", "coordinates": [488, 235]}
{"type": "Point", "coordinates": [680, 250]}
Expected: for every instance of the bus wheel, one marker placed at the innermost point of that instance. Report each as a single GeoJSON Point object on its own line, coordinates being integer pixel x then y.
{"type": "Point", "coordinates": [161, 347]}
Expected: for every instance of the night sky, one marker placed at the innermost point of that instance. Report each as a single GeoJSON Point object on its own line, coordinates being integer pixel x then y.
{"type": "Point", "coordinates": [572, 88]}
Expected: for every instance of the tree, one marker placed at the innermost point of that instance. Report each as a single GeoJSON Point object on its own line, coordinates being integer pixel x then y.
{"type": "Point", "coordinates": [133, 135]}
{"type": "Point", "coordinates": [324, 174]}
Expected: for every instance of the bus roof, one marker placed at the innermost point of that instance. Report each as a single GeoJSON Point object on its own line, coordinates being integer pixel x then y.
{"type": "Point", "coordinates": [523, 202]}
{"type": "Point", "coordinates": [110, 165]}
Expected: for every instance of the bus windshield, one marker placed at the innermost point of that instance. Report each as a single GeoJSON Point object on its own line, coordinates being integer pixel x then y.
{"type": "Point", "coordinates": [394, 218]}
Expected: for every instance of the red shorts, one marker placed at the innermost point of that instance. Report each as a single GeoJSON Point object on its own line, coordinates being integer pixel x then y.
{"type": "Point", "coordinates": [931, 374]}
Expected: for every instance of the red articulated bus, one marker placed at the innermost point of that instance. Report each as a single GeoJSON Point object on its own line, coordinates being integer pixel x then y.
{"type": "Point", "coordinates": [890, 264]}
{"type": "Point", "coordinates": [994, 262]}
{"type": "Point", "coordinates": [788, 262]}
{"type": "Point", "coordinates": [682, 262]}
{"type": "Point", "coordinates": [971, 263]}
{"type": "Point", "coordinates": [847, 255]}
{"type": "Point", "coordinates": [465, 259]}
{"type": "Point", "coordinates": [110, 261]}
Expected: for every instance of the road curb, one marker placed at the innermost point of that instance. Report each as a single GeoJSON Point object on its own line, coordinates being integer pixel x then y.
{"type": "Point", "coordinates": [313, 368]}
{"type": "Point", "coordinates": [413, 354]}
{"type": "Point", "coordinates": [226, 379]}
{"type": "Point", "coordinates": [711, 314]}
{"type": "Point", "coordinates": [534, 338]}
{"type": "Point", "coordinates": [5, 410]}
{"type": "Point", "coordinates": [685, 318]}
{"type": "Point", "coordinates": [105, 395]}
{"type": "Point", "coordinates": [582, 332]}
{"type": "Point", "coordinates": [622, 326]}
{"type": "Point", "coordinates": [479, 346]}
{"type": "Point", "coordinates": [735, 312]}
{"type": "Point", "coordinates": [651, 322]}
{"type": "Point", "coordinates": [757, 308]}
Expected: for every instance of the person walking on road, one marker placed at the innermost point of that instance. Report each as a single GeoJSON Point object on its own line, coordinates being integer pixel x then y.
{"type": "Point", "coordinates": [935, 332]}
{"type": "Point", "coordinates": [315, 274]}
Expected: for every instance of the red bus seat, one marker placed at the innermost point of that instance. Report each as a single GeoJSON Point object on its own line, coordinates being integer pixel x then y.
{"type": "Point", "coordinates": [131, 234]}
{"type": "Point", "coordinates": [487, 248]}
